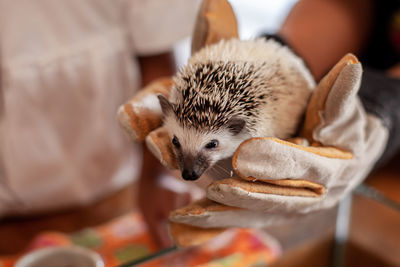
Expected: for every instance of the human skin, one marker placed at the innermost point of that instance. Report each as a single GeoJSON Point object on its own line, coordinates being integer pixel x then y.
{"type": "Point", "coordinates": [322, 31]}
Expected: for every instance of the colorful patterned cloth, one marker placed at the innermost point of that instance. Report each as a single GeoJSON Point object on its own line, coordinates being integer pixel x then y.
{"type": "Point", "coordinates": [126, 239]}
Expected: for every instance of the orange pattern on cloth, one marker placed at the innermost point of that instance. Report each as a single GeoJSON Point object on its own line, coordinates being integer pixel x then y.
{"type": "Point", "coordinates": [126, 239]}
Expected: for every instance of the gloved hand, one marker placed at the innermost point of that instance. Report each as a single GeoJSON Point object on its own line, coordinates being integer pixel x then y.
{"type": "Point", "coordinates": [277, 180]}
{"type": "Point", "coordinates": [281, 180]}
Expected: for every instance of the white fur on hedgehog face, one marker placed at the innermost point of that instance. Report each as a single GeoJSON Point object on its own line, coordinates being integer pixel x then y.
{"type": "Point", "coordinates": [194, 153]}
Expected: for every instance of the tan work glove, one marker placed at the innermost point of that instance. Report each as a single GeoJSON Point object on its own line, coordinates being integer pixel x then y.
{"type": "Point", "coordinates": [280, 180]}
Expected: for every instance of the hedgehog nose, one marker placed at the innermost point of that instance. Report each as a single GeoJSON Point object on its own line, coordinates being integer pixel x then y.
{"type": "Point", "coordinates": [189, 175]}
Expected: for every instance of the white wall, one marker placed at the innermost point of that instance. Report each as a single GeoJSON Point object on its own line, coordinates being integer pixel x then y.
{"type": "Point", "coordinates": [254, 18]}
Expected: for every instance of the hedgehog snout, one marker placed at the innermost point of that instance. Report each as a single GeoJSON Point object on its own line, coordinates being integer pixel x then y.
{"type": "Point", "coordinates": [193, 166]}
{"type": "Point", "coordinates": [189, 175]}
{"type": "Point", "coordinates": [190, 170]}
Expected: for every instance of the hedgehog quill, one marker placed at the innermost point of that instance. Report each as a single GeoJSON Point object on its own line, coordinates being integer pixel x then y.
{"type": "Point", "coordinates": [229, 92]}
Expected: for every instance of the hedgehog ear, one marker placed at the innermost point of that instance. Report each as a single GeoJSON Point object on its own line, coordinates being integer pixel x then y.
{"type": "Point", "coordinates": [166, 106]}
{"type": "Point", "coordinates": [236, 125]}
{"type": "Point", "coordinates": [215, 21]}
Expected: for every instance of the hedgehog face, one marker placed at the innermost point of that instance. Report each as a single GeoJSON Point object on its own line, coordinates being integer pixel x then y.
{"type": "Point", "coordinates": [198, 150]}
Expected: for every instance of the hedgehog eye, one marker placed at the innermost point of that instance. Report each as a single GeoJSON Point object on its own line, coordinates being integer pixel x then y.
{"type": "Point", "coordinates": [175, 142]}
{"type": "Point", "coordinates": [212, 144]}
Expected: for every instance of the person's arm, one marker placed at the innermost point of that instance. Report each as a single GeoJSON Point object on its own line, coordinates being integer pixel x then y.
{"type": "Point", "coordinates": [321, 32]}
{"type": "Point", "coordinates": [156, 66]}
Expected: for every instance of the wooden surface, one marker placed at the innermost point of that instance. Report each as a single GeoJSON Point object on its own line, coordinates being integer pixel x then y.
{"type": "Point", "coordinates": [315, 252]}
{"type": "Point", "coordinates": [375, 228]}
{"type": "Point", "coordinates": [374, 235]}
{"type": "Point", "coordinates": [387, 179]}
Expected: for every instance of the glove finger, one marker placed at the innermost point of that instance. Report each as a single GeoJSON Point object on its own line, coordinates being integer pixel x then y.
{"type": "Point", "coordinates": [159, 144]}
{"type": "Point", "coordinates": [259, 196]}
{"type": "Point", "coordinates": [335, 116]}
{"type": "Point", "coordinates": [185, 235]}
{"type": "Point", "coordinates": [320, 95]}
{"type": "Point", "coordinates": [266, 188]}
{"type": "Point", "coordinates": [215, 21]}
{"type": "Point", "coordinates": [276, 159]}
{"type": "Point", "coordinates": [142, 114]}
{"type": "Point", "coordinates": [209, 214]}
{"type": "Point", "coordinates": [343, 121]}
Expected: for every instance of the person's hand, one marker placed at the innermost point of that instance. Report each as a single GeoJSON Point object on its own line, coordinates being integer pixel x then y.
{"type": "Point", "coordinates": [345, 144]}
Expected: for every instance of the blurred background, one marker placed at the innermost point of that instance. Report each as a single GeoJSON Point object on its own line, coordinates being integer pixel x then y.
{"type": "Point", "coordinates": [69, 177]}
{"type": "Point", "coordinates": [255, 17]}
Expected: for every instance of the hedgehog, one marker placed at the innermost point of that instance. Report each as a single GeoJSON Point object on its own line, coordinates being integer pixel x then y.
{"type": "Point", "coordinates": [229, 92]}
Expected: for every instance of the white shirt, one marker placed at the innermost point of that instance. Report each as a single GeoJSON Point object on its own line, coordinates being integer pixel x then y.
{"type": "Point", "coordinates": [66, 66]}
